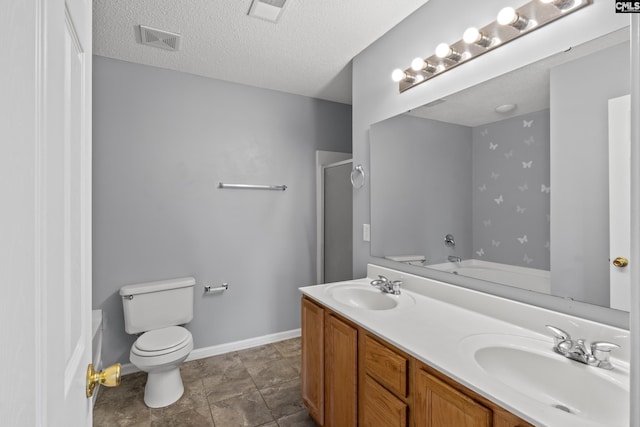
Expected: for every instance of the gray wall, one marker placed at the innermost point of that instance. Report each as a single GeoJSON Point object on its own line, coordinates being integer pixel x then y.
{"type": "Point", "coordinates": [580, 171]}
{"type": "Point", "coordinates": [376, 97]}
{"type": "Point", "coordinates": [488, 186]}
{"type": "Point", "coordinates": [511, 191]}
{"type": "Point", "coordinates": [162, 142]}
{"type": "Point", "coordinates": [420, 188]}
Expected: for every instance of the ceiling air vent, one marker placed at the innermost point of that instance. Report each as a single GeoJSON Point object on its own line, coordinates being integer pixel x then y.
{"type": "Point", "coordinates": [269, 10]}
{"type": "Point", "coordinates": [159, 38]}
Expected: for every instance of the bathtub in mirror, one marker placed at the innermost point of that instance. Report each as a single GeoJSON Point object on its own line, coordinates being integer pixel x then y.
{"type": "Point", "coordinates": [523, 191]}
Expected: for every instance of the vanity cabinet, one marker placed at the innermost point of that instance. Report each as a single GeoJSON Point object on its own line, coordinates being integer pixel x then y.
{"type": "Point", "coordinates": [352, 378]}
{"type": "Point", "coordinates": [439, 404]}
{"type": "Point", "coordinates": [329, 376]}
{"type": "Point", "coordinates": [384, 393]}
{"type": "Point", "coordinates": [340, 373]}
{"type": "Point", "coordinates": [312, 378]}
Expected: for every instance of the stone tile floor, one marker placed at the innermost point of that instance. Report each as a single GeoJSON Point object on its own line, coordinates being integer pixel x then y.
{"type": "Point", "coordinates": [259, 386]}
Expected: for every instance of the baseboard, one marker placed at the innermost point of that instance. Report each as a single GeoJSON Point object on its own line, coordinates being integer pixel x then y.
{"type": "Point", "coordinates": [202, 353]}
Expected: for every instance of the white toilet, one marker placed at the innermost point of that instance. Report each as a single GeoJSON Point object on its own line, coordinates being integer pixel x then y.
{"type": "Point", "coordinates": [155, 310]}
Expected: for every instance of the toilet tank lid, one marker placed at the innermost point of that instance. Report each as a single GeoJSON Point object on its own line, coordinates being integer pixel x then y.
{"type": "Point", "coordinates": [156, 286]}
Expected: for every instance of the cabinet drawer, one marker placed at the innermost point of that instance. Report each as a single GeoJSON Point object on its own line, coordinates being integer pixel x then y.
{"type": "Point", "coordinates": [381, 407]}
{"type": "Point", "coordinates": [386, 366]}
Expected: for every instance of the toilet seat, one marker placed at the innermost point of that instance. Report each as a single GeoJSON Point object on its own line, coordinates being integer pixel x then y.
{"type": "Point", "coordinates": [162, 341]}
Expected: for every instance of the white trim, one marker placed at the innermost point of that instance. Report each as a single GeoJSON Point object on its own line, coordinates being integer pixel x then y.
{"type": "Point", "coordinates": [634, 317]}
{"type": "Point", "coordinates": [40, 285]}
{"type": "Point", "coordinates": [214, 350]}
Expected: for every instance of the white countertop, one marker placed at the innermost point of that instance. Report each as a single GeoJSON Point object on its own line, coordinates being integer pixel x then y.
{"type": "Point", "coordinates": [442, 316]}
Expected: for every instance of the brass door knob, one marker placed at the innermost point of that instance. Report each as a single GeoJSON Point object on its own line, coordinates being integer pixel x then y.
{"type": "Point", "coordinates": [109, 377]}
{"type": "Point", "coordinates": [620, 262]}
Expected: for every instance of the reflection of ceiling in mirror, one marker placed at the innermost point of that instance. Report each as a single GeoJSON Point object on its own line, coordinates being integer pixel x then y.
{"type": "Point", "coordinates": [527, 87]}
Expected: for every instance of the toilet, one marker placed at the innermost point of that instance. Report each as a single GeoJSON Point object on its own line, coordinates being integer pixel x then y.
{"type": "Point", "coordinates": [155, 310]}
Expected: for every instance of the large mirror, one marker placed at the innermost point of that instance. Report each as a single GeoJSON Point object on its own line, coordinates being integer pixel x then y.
{"type": "Point", "coordinates": [508, 181]}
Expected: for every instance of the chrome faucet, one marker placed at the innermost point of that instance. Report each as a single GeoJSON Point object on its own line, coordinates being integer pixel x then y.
{"type": "Point", "coordinates": [597, 354]}
{"type": "Point", "coordinates": [387, 286]}
{"type": "Point", "coordinates": [453, 258]}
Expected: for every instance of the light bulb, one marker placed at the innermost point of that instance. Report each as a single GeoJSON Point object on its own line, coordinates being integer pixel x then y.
{"type": "Point", "coordinates": [561, 4]}
{"type": "Point", "coordinates": [473, 36]}
{"type": "Point", "coordinates": [443, 50]}
{"type": "Point", "coordinates": [419, 64]}
{"type": "Point", "coordinates": [399, 75]}
{"type": "Point", "coordinates": [509, 16]}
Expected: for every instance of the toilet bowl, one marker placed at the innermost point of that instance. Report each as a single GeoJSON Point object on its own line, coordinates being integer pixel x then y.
{"type": "Point", "coordinates": [160, 353]}
{"type": "Point", "coordinates": [156, 309]}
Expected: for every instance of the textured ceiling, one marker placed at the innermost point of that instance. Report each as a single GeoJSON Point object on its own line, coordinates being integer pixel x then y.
{"type": "Point", "coordinates": [308, 52]}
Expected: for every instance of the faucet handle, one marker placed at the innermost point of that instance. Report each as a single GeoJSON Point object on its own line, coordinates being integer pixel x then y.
{"type": "Point", "coordinates": [395, 286]}
{"type": "Point", "coordinates": [601, 351]}
{"type": "Point", "coordinates": [558, 335]}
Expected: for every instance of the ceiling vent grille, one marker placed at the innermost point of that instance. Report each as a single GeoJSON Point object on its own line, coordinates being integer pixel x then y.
{"type": "Point", "coordinates": [269, 10]}
{"type": "Point", "coordinates": [159, 38]}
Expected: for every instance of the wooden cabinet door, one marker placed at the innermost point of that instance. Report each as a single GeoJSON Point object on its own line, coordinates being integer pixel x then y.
{"type": "Point", "coordinates": [380, 407]}
{"type": "Point", "coordinates": [439, 405]}
{"type": "Point", "coordinates": [341, 373]}
{"type": "Point", "coordinates": [506, 419]}
{"type": "Point", "coordinates": [312, 375]}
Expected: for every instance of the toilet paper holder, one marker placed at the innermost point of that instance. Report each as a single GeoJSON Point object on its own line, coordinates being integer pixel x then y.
{"type": "Point", "coordinates": [213, 290]}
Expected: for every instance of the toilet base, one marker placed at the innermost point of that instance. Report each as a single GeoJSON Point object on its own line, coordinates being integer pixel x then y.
{"type": "Point", "coordinates": [163, 388]}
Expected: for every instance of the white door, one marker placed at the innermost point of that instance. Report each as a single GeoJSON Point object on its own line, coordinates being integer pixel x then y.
{"type": "Point", "coordinates": [619, 200]}
{"type": "Point", "coordinates": [45, 228]}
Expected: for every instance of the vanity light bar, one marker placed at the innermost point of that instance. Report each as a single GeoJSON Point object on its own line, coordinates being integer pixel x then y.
{"type": "Point", "coordinates": [509, 25]}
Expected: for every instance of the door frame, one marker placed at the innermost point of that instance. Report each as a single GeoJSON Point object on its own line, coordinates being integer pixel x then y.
{"type": "Point", "coordinates": [324, 159]}
{"type": "Point", "coordinates": [634, 265]}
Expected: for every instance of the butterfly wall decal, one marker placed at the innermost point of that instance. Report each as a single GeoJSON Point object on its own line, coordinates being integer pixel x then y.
{"type": "Point", "coordinates": [527, 165]}
{"type": "Point", "coordinates": [527, 259]}
{"type": "Point", "coordinates": [495, 243]}
{"type": "Point", "coordinates": [508, 155]}
{"type": "Point", "coordinates": [523, 187]}
{"type": "Point", "coordinates": [523, 239]}
{"type": "Point", "coordinates": [484, 132]}
{"type": "Point", "coordinates": [482, 188]}
{"type": "Point", "coordinates": [480, 252]}
{"type": "Point", "coordinates": [527, 123]}
{"type": "Point", "coordinates": [493, 146]}
{"type": "Point", "coordinates": [544, 189]}
{"type": "Point", "coordinates": [499, 200]}
{"type": "Point", "coordinates": [529, 140]}
{"type": "Point", "coordinates": [487, 222]}
{"type": "Point", "coordinates": [495, 175]}
{"type": "Point", "coordinates": [520, 210]}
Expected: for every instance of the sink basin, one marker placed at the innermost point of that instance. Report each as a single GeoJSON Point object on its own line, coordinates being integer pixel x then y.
{"type": "Point", "coordinates": [530, 367]}
{"type": "Point", "coordinates": [364, 296]}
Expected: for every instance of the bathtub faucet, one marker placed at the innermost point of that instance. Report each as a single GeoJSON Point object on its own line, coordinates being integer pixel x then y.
{"type": "Point", "coordinates": [453, 258]}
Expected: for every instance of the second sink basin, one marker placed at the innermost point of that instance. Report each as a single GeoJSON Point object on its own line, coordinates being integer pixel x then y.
{"type": "Point", "coordinates": [367, 297]}
{"type": "Point", "coordinates": [529, 366]}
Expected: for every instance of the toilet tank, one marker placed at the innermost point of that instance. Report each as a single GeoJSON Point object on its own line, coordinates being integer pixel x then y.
{"type": "Point", "coordinates": [159, 304]}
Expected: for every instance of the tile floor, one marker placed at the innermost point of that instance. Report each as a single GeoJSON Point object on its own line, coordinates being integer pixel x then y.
{"type": "Point", "coordinates": [259, 386]}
